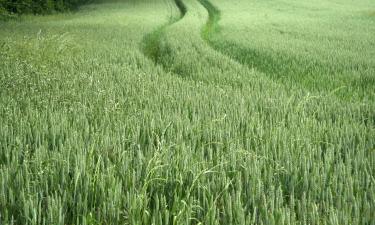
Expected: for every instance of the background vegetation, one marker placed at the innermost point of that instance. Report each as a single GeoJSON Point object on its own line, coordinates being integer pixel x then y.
{"type": "Point", "coordinates": [189, 112]}
{"type": "Point", "coordinates": [38, 6]}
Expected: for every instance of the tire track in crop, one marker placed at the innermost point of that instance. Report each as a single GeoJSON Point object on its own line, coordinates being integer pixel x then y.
{"type": "Point", "coordinates": [245, 56]}
{"type": "Point", "coordinates": [213, 19]}
{"type": "Point", "coordinates": [151, 46]}
{"type": "Point", "coordinates": [178, 47]}
{"type": "Point", "coordinates": [212, 27]}
{"type": "Point", "coordinates": [285, 69]}
{"type": "Point", "coordinates": [232, 50]}
{"type": "Point", "coordinates": [160, 46]}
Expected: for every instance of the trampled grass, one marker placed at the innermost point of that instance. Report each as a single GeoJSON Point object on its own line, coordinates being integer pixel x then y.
{"type": "Point", "coordinates": [189, 112]}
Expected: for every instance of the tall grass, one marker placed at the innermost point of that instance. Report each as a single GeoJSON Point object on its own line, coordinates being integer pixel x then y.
{"type": "Point", "coordinates": [95, 130]}
{"type": "Point", "coordinates": [310, 48]}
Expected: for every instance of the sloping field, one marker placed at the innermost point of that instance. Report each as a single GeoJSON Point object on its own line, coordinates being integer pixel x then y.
{"type": "Point", "coordinates": [316, 45]}
{"type": "Point", "coordinates": [189, 112]}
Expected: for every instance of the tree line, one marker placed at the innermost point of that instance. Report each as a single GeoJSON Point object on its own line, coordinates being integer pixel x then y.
{"type": "Point", "coordinates": [38, 6]}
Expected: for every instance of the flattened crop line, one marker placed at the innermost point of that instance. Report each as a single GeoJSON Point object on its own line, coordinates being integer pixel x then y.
{"type": "Point", "coordinates": [213, 19]}
{"type": "Point", "coordinates": [231, 50]}
{"type": "Point", "coordinates": [241, 55]}
{"type": "Point", "coordinates": [211, 27]}
{"type": "Point", "coordinates": [151, 42]}
{"type": "Point", "coordinates": [181, 7]}
{"type": "Point", "coordinates": [286, 69]}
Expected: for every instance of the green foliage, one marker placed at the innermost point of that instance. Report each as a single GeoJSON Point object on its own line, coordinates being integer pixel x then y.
{"type": "Point", "coordinates": [39, 6]}
{"type": "Point", "coordinates": [305, 48]}
{"type": "Point", "coordinates": [156, 112]}
{"type": "Point", "coordinates": [4, 14]}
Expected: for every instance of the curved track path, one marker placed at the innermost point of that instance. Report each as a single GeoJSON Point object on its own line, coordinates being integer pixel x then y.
{"type": "Point", "coordinates": [151, 42]}
{"type": "Point", "coordinates": [182, 46]}
{"type": "Point", "coordinates": [180, 49]}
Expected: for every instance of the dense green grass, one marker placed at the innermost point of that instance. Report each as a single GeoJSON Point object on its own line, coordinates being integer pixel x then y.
{"type": "Point", "coordinates": [318, 45]}
{"type": "Point", "coordinates": [189, 112]}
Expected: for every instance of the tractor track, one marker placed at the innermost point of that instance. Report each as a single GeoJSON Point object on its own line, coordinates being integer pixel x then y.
{"type": "Point", "coordinates": [154, 47]}
{"type": "Point", "coordinates": [150, 45]}
{"type": "Point", "coordinates": [253, 58]}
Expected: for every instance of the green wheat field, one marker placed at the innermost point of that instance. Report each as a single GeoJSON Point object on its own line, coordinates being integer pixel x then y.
{"type": "Point", "coordinates": [184, 112]}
